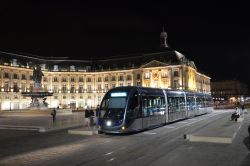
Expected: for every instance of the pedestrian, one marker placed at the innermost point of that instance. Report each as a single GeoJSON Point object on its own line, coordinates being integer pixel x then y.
{"type": "Point", "coordinates": [91, 117]}
{"type": "Point", "coordinates": [53, 114]}
{"type": "Point", "coordinates": [237, 114]}
{"type": "Point", "coordinates": [87, 115]}
{"type": "Point", "coordinates": [97, 114]}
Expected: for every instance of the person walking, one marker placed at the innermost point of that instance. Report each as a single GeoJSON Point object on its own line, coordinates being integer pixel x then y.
{"type": "Point", "coordinates": [91, 117]}
{"type": "Point", "coordinates": [87, 115]}
{"type": "Point", "coordinates": [237, 114]}
{"type": "Point", "coordinates": [53, 114]}
{"type": "Point", "coordinates": [97, 115]}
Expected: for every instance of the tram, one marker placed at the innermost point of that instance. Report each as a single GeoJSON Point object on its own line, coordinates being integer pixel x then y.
{"type": "Point", "coordinates": [132, 109]}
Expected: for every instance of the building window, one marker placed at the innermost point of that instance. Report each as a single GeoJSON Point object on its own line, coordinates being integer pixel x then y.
{"type": "Point", "coordinates": [15, 76]}
{"type": "Point", "coordinates": [99, 87]}
{"type": "Point", "coordinates": [55, 97]}
{"type": "Point", "coordinates": [121, 78]}
{"type": "Point", "coordinates": [64, 97]}
{"type": "Point", "coordinates": [129, 77]}
{"type": "Point", "coordinates": [64, 89]}
{"type": "Point", "coordinates": [72, 89]}
{"type": "Point", "coordinates": [99, 79]}
{"type": "Point", "coordinates": [80, 89]}
{"type": "Point", "coordinates": [138, 83]}
{"type": "Point", "coordinates": [106, 79]}
{"type": "Point", "coordinates": [55, 68]}
{"type": "Point", "coordinates": [31, 77]}
{"type": "Point", "coordinates": [72, 79]}
{"type": "Point", "coordinates": [23, 87]}
{"type": "Point", "coordinates": [113, 85]}
{"type": "Point", "coordinates": [106, 87]}
{"type": "Point", "coordinates": [147, 75]}
{"type": "Point", "coordinates": [129, 84]}
{"type": "Point", "coordinates": [72, 68]}
{"type": "Point", "coordinates": [88, 79]}
{"type": "Point", "coordinates": [164, 74]}
{"type": "Point", "coordinates": [138, 76]}
{"type": "Point", "coordinates": [176, 83]}
{"type": "Point", "coordinates": [80, 79]}
{"type": "Point", "coordinates": [89, 88]}
{"type": "Point", "coordinates": [113, 78]}
{"type": "Point", "coordinates": [147, 84]}
{"type": "Point", "coordinates": [156, 84]}
{"type": "Point", "coordinates": [55, 89]}
{"type": "Point", "coordinates": [121, 84]}
{"type": "Point", "coordinates": [55, 79]}
{"type": "Point", "coordinates": [23, 77]}
{"type": "Point", "coordinates": [45, 79]}
{"type": "Point", "coordinates": [64, 79]}
{"type": "Point", "coordinates": [6, 75]}
{"type": "Point", "coordinates": [81, 97]}
{"type": "Point", "coordinates": [176, 74]}
{"type": "Point", "coordinates": [15, 88]}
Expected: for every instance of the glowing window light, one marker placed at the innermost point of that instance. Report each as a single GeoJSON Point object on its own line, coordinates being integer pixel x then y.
{"type": "Point", "coordinates": [119, 94]}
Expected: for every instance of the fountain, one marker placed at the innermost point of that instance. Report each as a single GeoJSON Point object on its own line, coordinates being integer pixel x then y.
{"type": "Point", "coordinates": [38, 94]}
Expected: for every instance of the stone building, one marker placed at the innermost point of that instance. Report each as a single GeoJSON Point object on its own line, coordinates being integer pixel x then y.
{"type": "Point", "coordinates": [229, 90]}
{"type": "Point", "coordinates": [78, 83]}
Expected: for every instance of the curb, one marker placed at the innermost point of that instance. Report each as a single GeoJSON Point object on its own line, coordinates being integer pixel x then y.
{"type": "Point", "coordinates": [225, 140]}
{"type": "Point", "coordinates": [38, 128]}
{"type": "Point", "coordinates": [59, 128]}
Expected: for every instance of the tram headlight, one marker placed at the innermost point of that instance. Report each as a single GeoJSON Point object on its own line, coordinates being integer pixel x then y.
{"type": "Point", "coordinates": [123, 128]}
{"type": "Point", "coordinates": [108, 123]}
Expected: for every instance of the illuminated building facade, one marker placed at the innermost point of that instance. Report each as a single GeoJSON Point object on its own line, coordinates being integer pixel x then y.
{"type": "Point", "coordinates": [229, 90]}
{"type": "Point", "coordinates": [78, 83]}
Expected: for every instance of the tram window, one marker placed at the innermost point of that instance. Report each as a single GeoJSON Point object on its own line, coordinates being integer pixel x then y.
{"type": "Point", "coordinates": [117, 103]}
{"type": "Point", "coordinates": [200, 102]}
{"type": "Point", "coordinates": [176, 104]}
{"type": "Point", "coordinates": [190, 103]}
{"type": "Point", "coordinates": [133, 109]}
{"type": "Point", "coordinates": [153, 105]}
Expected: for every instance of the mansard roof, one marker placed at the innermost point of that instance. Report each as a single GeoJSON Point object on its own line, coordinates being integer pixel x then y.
{"type": "Point", "coordinates": [163, 58]}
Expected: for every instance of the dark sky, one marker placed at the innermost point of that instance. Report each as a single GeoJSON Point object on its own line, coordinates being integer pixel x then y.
{"type": "Point", "coordinates": [215, 35]}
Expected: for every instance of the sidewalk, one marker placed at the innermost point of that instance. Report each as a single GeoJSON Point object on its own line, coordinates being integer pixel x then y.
{"type": "Point", "coordinates": [43, 123]}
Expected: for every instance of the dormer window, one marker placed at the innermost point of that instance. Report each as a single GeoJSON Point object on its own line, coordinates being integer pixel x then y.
{"type": "Point", "coordinates": [72, 68]}
{"type": "Point", "coordinates": [55, 68]}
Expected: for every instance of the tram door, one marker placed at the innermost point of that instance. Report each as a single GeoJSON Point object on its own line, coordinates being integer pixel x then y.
{"type": "Point", "coordinates": [153, 110]}
{"type": "Point", "coordinates": [145, 111]}
{"type": "Point", "coordinates": [134, 113]}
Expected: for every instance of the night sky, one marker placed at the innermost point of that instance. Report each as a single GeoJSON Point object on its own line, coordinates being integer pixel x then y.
{"type": "Point", "coordinates": [216, 36]}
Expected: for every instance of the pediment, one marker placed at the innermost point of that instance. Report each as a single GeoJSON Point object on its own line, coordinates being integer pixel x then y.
{"type": "Point", "coordinates": [154, 63]}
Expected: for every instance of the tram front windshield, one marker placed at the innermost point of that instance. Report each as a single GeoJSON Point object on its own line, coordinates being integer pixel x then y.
{"type": "Point", "coordinates": [113, 107]}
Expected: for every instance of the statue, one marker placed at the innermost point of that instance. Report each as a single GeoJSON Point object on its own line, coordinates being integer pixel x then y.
{"type": "Point", "coordinates": [37, 74]}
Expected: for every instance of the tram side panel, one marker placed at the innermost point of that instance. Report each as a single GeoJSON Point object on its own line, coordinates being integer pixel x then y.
{"type": "Point", "coordinates": [176, 106]}
{"type": "Point", "coordinates": [191, 107]}
{"type": "Point", "coordinates": [133, 113]}
{"type": "Point", "coordinates": [153, 110]}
